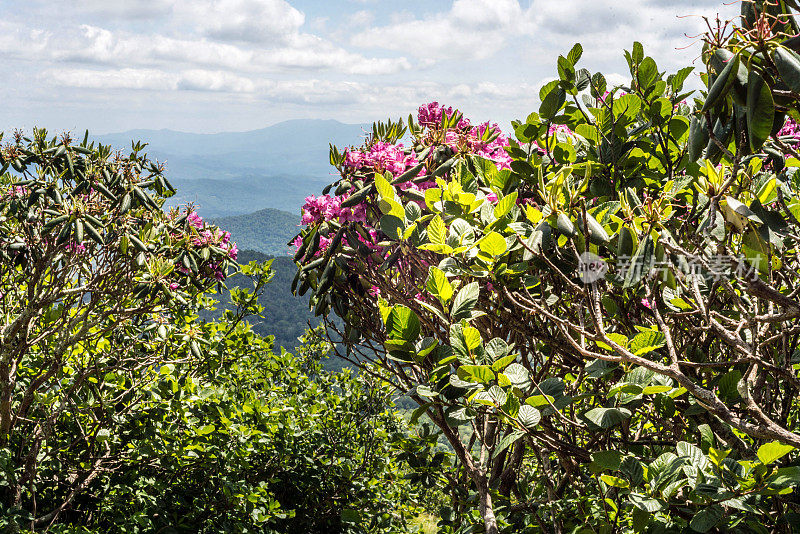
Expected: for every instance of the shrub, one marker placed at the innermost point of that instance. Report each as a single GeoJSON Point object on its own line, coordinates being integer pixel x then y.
{"type": "Point", "coordinates": [600, 315]}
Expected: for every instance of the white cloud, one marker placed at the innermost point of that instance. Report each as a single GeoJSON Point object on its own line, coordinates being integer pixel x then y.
{"type": "Point", "coordinates": [355, 60]}
{"type": "Point", "coordinates": [471, 29]}
{"type": "Point", "coordinates": [361, 18]}
{"type": "Point", "coordinates": [254, 21]}
{"type": "Point", "coordinates": [478, 29]}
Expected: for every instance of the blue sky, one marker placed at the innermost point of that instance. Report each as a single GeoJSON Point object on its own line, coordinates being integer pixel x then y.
{"type": "Point", "coordinates": [233, 65]}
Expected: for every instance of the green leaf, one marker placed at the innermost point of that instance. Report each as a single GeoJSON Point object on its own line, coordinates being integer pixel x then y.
{"type": "Point", "coordinates": [756, 250]}
{"type": "Point", "coordinates": [627, 106]}
{"type": "Point", "coordinates": [770, 452]}
{"type": "Point", "coordinates": [465, 301]}
{"type": "Point", "coordinates": [476, 373]}
{"type": "Point", "coordinates": [207, 429]}
{"type": "Point", "coordinates": [493, 244]}
{"type": "Point", "coordinates": [439, 285]}
{"type": "Point", "coordinates": [633, 470]}
{"type": "Point", "coordinates": [707, 518]}
{"type": "Point", "coordinates": [501, 364]}
{"type": "Point", "coordinates": [505, 204]}
{"type": "Point", "coordinates": [437, 231]}
{"type": "Point", "coordinates": [575, 54]}
{"type": "Point", "coordinates": [607, 417]}
{"type": "Point", "coordinates": [785, 477]}
{"type": "Point", "coordinates": [645, 503]}
{"type": "Point", "coordinates": [619, 339]}
{"type": "Point", "coordinates": [497, 348]}
{"type": "Point", "coordinates": [402, 324]}
{"type": "Point", "coordinates": [728, 384]}
{"type": "Point", "coordinates": [698, 137]}
{"type": "Point", "coordinates": [788, 64]}
{"type": "Point", "coordinates": [529, 416]}
{"type": "Point", "coordinates": [696, 457]}
{"type": "Point", "coordinates": [648, 72]}
{"type": "Point", "coordinates": [507, 441]}
{"type": "Point", "coordinates": [650, 390]}
{"type": "Point", "coordinates": [760, 110]}
{"type": "Point", "coordinates": [722, 84]}
{"type": "Point", "coordinates": [552, 103]}
{"type": "Point", "coordinates": [605, 460]}
{"type": "Point", "coordinates": [615, 481]}
{"type": "Point", "coordinates": [384, 187]}
{"type": "Point", "coordinates": [392, 226]}
{"type": "Point", "coordinates": [641, 263]}
{"type": "Point", "coordinates": [351, 516]}
{"type": "Point", "coordinates": [648, 341]}
{"type": "Point", "coordinates": [515, 375]}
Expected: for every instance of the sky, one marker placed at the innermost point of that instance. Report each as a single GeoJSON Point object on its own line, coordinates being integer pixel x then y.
{"type": "Point", "coordinates": [234, 65]}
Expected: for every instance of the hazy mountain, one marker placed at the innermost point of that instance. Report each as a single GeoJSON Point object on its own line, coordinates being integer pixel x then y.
{"type": "Point", "coordinates": [266, 231]}
{"type": "Point", "coordinates": [297, 147]}
{"type": "Point", "coordinates": [240, 172]}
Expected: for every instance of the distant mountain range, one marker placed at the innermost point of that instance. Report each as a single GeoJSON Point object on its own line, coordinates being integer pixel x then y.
{"type": "Point", "coordinates": [236, 173]}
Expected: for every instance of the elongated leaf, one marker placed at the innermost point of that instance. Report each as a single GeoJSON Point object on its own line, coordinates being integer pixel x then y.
{"type": "Point", "coordinates": [760, 110]}
{"type": "Point", "coordinates": [641, 263]}
{"type": "Point", "coordinates": [505, 204]}
{"type": "Point", "coordinates": [507, 441]}
{"type": "Point", "coordinates": [493, 244]}
{"type": "Point", "coordinates": [722, 84]}
{"type": "Point", "coordinates": [437, 231]}
{"type": "Point", "coordinates": [707, 518]}
{"type": "Point", "coordinates": [402, 324]}
{"type": "Point", "coordinates": [476, 373]}
{"type": "Point", "coordinates": [615, 482]}
{"type": "Point", "coordinates": [644, 503]}
{"type": "Point", "coordinates": [605, 460]}
{"type": "Point", "coordinates": [788, 64]}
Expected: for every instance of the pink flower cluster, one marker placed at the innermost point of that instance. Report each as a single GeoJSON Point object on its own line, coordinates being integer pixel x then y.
{"type": "Point", "coordinates": [430, 116]}
{"type": "Point", "coordinates": [328, 208]}
{"type": "Point", "coordinates": [16, 191]}
{"type": "Point", "coordinates": [792, 129]}
{"type": "Point", "coordinates": [381, 157]}
{"type": "Point", "coordinates": [209, 235]}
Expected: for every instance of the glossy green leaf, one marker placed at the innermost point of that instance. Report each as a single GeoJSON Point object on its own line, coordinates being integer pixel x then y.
{"type": "Point", "coordinates": [760, 110]}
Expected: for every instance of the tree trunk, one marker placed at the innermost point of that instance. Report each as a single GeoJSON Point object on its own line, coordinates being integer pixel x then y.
{"type": "Point", "coordinates": [485, 504]}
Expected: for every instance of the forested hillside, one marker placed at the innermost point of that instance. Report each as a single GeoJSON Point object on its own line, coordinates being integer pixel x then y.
{"type": "Point", "coordinates": [267, 231]}
{"type": "Point", "coordinates": [285, 316]}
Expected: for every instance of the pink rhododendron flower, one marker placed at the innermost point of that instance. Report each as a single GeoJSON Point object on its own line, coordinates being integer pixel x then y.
{"type": "Point", "coordinates": [194, 219]}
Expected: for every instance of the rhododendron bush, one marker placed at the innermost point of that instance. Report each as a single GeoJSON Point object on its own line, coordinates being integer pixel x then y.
{"type": "Point", "coordinates": [99, 287]}
{"type": "Point", "coordinates": [599, 313]}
